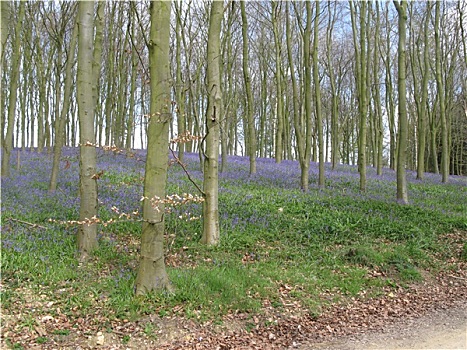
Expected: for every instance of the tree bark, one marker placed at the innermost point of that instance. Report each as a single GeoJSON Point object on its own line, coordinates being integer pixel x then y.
{"type": "Point", "coordinates": [60, 130]}
{"type": "Point", "coordinates": [151, 273]}
{"type": "Point", "coordinates": [279, 115]}
{"type": "Point", "coordinates": [441, 96]}
{"type": "Point", "coordinates": [316, 83]}
{"type": "Point", "coordinates": [402, 196]}
{"type": "Point", "coordinates": [211, 233]}
{"type": "Point", "coordinates": [87, 232]}
{"type": "Point", "coordinates": [14, 78]}
{"type": "Point", "coordinates": [249, 94]}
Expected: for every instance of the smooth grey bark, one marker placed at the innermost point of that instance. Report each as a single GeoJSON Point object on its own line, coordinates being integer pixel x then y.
{"type": "Point", "coordinates": [249, 94]}
{"type": "Point", "coordinates": [441, 96]}
{"type": "Point", "coordinates": [297, 120]}
{"type": "Point", "coordinates": [278, 77]}
{"type": "Point", "coordinates": [378, 131]}
{"type": "Point", "coordinates": [402, 196]}
{"type": "Point", "coordinates": [4, 29]}
{"type": "Point", "coordinates": [96, 68]}
{"type": "Point", "coordinates": [332, 82]}
{"type": "Point", "coordinates": [151, 274]}
{"type": "Point", "coordinates": [60, 131]}
{"type": "Point", "coordinates": [421, 94]}
{"type": "Point", "coordinates": [306, 157]}
{"type": "Point", "coordinates": [14, 78]}
{"type": "Point", "coordinates": [316, 83]}
{"type": "Point", "coordinates": [361, 82]}
{"type": "Point", "coordinates": [87, 231]}
{"type": "Point", "coordinates": [179, 86]}
{"type": "Point", "coordinates": [211, 234]}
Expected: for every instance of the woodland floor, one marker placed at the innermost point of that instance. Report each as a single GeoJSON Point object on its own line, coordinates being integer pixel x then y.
{"type": "Point", "coordinates": [427, 315]}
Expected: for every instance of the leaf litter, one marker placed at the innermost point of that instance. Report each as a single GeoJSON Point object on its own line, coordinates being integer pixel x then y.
{"type": "Point", "coordinates": [37, 318]}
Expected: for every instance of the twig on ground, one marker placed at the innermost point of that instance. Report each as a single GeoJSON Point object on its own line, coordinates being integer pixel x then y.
{"type": "Point", "coordinates": [28, 223]}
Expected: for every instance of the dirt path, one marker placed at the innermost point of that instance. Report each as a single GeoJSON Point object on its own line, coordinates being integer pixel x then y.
{"type": "Point", "coordinates": [437, 329]}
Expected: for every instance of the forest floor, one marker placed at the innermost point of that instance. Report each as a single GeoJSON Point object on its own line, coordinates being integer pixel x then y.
{"type": "Point", "coordinates": [331, 268]}
{"type": "Point", "coordinates": [427, 315]}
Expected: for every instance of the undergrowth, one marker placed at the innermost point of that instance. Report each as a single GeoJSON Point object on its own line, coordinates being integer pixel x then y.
{"type": "Point", "coordinates": [337, 240]}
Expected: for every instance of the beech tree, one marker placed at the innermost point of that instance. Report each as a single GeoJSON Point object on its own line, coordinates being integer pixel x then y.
{"type": "Point", "coordinates": [249, 94]}
{"type": "Point", "coordinates": [213, 117]}
{"type": "Point", "coordinates": [401, 7]}
{"type": "Point", "coordinates": [151, 273]}
{"type": "Point", "coordinates": [440, 86]}
{"type": "Point", "coordinates": [14, 77]}
{"type": "Point", "coordinates": [61, 122]}
{"type": "Point", "coordinates": [87, 231]}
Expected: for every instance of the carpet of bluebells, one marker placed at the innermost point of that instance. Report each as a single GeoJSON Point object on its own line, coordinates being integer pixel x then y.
{"type": "Point", "coordinates": [269, 201]}
{"type": "Point", "coordinates": [271, 232]}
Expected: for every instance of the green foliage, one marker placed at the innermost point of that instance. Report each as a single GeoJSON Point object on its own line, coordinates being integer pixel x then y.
{"type": "Point", "coordinates": [325, 242]}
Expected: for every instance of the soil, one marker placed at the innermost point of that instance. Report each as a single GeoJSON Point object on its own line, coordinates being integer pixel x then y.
{"type": "Point", "coordinates": [437, 329]}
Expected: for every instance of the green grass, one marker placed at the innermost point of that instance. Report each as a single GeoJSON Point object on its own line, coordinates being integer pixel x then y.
{"type": "Point", "coordinates": [316, 243]}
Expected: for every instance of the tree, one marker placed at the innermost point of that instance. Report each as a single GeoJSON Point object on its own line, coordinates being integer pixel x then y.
{"type": "Point", "coordinates": [213, 117]}
{"type": "Point", "coordinates": [361, 81]}
{"type": "Point", "coordinates": [151, 273]}
{"type": "Point", "coordinates": [5, 11]}
{"type": "Point", "coordinates": [441, 95]}
{"type": "Point", "coordinates": [87, 231]}
{"type": "Point", "coordinates": [275, 18]}
{"type": "Point", "coordinates": [249, 95]}
{"type": "Point", "coordinates": [421, 92]}
{"type": "Point", "coordinates": [60, 130]}
{"type": "Point", "coordinates": [401, 7]}
{"type": "Point", "coordinates": [14, 77]}
{"type": "Point", "coordinates": [319, 116]}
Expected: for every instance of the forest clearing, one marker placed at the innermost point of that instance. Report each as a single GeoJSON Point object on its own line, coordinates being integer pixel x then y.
{"type": "Point", "coordinates": [285, 256]}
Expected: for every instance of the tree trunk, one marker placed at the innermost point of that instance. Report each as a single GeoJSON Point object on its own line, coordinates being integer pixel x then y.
{"type": "Point", "coordinates": [402, 197]}
{"type": "Point", "coordinates": [316, 83]}
{"type": "Point", "coordinates": [213, 117]}
{"type": "Point", "coordinates": [249, 94]}
{"type": "Point", "coordinates": [151, 271]}
{"type": "Point", "coordinates": [278, 76]}
{"type": "Point", "coordinates": [14, 77]}
{"type": "Point", "coordinates": [361, 80]}
{"type": "Point", "coordinates": [87, 231]}
{"type": "Point", "coordinates": [60, 131]}
{"type": "Point", "coordinates": [442, 105]}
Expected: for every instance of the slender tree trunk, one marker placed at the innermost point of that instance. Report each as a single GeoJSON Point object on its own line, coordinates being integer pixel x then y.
{"type": "Point", "coordinates": [422, 104]}
{"type": "Point", "coordinates": [5, 12]}
{"type": "Point", "coordinates": [87, 231]}
{"type": "Point", "coordinates": [96, 68]}
{"type": "Point", "coordinates": [179, 88]}
{"type": "Point", "coordinates": [60, 131]}
{"type": "Point", "coordinates": [334, 94]}
{"type": "Point", "coordinates": [316, 83]}
{"type": "Point", "coordinates": [305, 164]}
{"type": "Point", "coordinates": [442, 104]}
{"type": "Point", "coordinates": [361, 80]}
{"type": "Point", "coordinates": [278, 76]}
{"type": "Point", "coordinates": [213, 117]}
{"type": "Point", "coordinates": [297, 120]}
{"type": "Point", "coordinates": [152, 274]}
{"type": "Point", "coordinates": [14, 77]}
{"type": "Point", "coordinates": [379, 128]}
{"type": "Point", "coordinates": [402, 197]}
{"type": "Point", "coordinates": [249, 94]}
